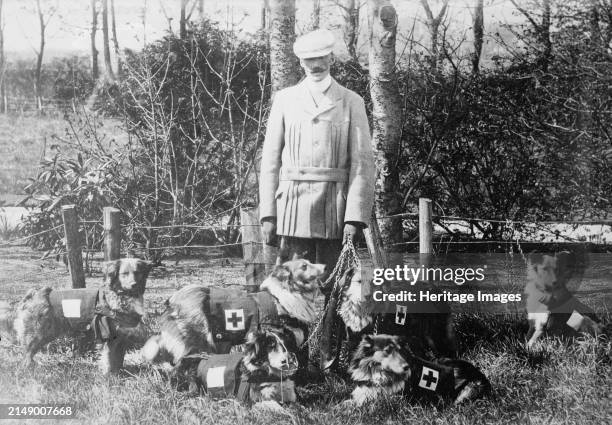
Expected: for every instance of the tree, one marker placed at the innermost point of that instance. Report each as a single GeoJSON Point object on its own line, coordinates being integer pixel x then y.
{"type": "Point", "coordinates": [478, 30]}
{"type": "Point", "coordinates": [350, 12]}
{"type": "Point", "coordinates": [114, 36]}
{"type": "Point", "coordinates": [315, 16]}
{"type": "Point", "coordinates": [541, 29]}
{"type": "Point", "coordinates": [2, 58]}
{"type": "Point", "coordinates": [108, 68]}
{"type": "Point", "coordinates": [433, 25]}
{"type": "Point", "coordinates": [92, 36]}
{"type": "Point", "coordinates": [44, 16]}
{"type": "Point", "coordinates": [386, 116]}
{"type": "Point", "coordinates": [284, 67]}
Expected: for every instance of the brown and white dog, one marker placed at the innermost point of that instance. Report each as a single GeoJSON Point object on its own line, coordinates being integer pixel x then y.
{"type": "Point", "coordinates": [262, 374]}
{"type": "Point", "coordinates": [551, 307]}
{"type": "Point", "coordinates": [381, 365]}
{"type": "Point", "coordinates": [114, 312]}
{"type": "Point", "coordinates": [212, 319]}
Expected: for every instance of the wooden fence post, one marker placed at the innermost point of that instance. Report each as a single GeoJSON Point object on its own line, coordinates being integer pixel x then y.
{"type": "Point", "coordinates": [375, 244]}
{"type": "Point", "coordinates": [73, 246]}
{"type": "Point", "coordinates": [112, 233]}
{"type": "Point", "coordinates": [258, 256]}
{"type": "Point", "coordinates": [425, 227]}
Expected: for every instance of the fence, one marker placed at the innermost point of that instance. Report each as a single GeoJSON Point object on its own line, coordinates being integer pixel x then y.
{"type": "Point", "coordinates": [258, 257]}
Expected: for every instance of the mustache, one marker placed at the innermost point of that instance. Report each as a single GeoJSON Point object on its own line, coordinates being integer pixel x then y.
{"type": "Point", "coordinates": [317, 70]}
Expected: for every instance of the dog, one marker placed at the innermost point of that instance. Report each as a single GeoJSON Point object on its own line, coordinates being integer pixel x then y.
{"type": "Point", "coordinates": [262, 374]}
{"type": "Point", "coordinates": [551, 307]}
{"type": "Point", "coordinates": [213, 320]}
{"type": "Point", "coordinates": [425, 328]}
{"type": "Point", "coordinates": [381, 365]}
{"type": "Point", "coordinates": [113, 312]}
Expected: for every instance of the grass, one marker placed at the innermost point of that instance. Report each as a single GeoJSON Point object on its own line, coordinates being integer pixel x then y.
{"type": "Point", "coordinates": [557, 383]}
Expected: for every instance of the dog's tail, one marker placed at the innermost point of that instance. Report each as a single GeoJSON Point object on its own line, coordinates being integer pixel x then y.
{"type": "Point", "coordinates": [7, 320]}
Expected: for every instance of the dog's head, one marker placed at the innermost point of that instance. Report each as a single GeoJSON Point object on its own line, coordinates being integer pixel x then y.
{"type": "Point", "coordinates": [548, 276]}
{"type": "Point", "coordinates": [376, 355]}
{"type": "Point", "coordinates": [270, 353]}
{"type": "Point", "coordinates": [299, 275]}
{"type": "Point", "coordinates": [126, 276]}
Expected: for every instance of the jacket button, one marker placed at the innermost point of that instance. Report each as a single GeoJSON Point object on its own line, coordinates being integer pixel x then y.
{"type": "Point", "coordinates": [315, 120]}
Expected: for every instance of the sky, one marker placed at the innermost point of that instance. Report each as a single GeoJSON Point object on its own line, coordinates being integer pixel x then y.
{"type": "Point", "coordinates": [139, 21]}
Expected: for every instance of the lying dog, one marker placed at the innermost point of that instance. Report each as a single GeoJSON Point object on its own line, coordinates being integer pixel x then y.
{"type": "Point", "coordinates": [114, 312]}
{"type": "Point", "coordinates": [261, 374]}
{"type": "Point", "coordinates": [211, 319]}
{"type": "Point", "coordinates": [381, 366]}
{"type": "Point", "coordinates": [551, 307]}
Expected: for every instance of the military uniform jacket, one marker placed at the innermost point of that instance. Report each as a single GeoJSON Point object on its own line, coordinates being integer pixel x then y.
{"type": "Point", "coordinates": [317, 165]}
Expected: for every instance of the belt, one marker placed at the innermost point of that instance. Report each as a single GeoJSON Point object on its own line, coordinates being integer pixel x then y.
{"type": "Point", "coordinates": [317, 174]}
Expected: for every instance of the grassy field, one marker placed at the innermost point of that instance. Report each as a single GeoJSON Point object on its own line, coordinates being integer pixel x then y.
{"type": "Point", "coordinates": [556, 383]}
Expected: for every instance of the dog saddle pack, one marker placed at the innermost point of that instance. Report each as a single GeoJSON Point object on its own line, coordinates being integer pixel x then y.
{"type": "Point", "coordinates": [221, 377]}
{"type": "Point", "coordinates": [233, 314]}
{"type": "Point", "coordinates": [432, 378]}
{"type": "Point", "coordinates": [85, 306]}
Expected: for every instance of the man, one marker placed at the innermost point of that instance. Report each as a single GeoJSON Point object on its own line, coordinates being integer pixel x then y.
{"type": "Point", "coordinates": [317, 169]}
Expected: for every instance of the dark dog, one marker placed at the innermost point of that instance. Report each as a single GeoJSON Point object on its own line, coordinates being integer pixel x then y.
{"type": "Point", "coordinates": [381, 365]}
{"type": "Point", "coordinates": [551, 307]}
{"type": "Point", "coordinates": [261, 374]}
{"type": "Point", "coordinates": [211, 319]}
{"type": "Point", "coordinates": [114, 311]}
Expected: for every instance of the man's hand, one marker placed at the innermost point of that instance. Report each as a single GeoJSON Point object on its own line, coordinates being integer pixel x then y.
{"type": "Point", "coordinates": [350, 231]}
{"type": "Point", "coordinates": [268, 228]}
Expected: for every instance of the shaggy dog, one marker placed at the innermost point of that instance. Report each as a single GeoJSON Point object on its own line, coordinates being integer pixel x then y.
{"type": "Point", "coordinates": [551, 307]}
{"type": "Point", "coordinates": [211, 319]}
{"type": "Point", "coordinates": [381, 366]}
{"type": "Point", "coordinates": [261, 374]}
{"type": "Point", "coordinates": [425, 328]}
{"type": "Point", "coordinates": [114, 312]}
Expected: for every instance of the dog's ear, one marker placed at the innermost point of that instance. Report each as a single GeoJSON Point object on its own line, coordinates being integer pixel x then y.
{"type": "Point", "coordinates": [110, 269]}
{"type": "Point", "coordinates": [366, 340]}
{"type": "Point", "coordinates": [281, 273]}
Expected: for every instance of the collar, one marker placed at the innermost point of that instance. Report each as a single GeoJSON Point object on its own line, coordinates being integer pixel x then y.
{"type": "Point", "coordinates": [319, 86]}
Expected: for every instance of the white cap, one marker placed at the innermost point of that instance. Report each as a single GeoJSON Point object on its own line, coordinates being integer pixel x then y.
{"type": "Point", "coordinates": [314, 44]}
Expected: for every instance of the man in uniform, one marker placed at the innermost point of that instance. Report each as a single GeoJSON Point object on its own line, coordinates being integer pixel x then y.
{"type": "Point", "coordinates": [317, 169]}
{"type": "Point", "coordinates": [316, 185]}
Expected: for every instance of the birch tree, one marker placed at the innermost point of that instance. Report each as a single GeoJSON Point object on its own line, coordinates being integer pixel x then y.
{"type": "Point", "coordinates": [386, 116]}
{"type": "Point", "coordinates": [92, 37]}
{"type": "Point", "coordinates": [284, 68]}
{"type": "Point", "coordinates": [349, 9]}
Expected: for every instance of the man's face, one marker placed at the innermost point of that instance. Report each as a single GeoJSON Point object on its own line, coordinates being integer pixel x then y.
{"type": "Point", "coordinates": [316, 68]}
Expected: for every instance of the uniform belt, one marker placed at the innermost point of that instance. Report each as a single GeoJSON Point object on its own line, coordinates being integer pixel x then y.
{"type": "Point", "coordinates": [317, 174]}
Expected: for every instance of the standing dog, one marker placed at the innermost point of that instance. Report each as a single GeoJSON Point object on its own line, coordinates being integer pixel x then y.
{"type": "Point", "coordinates": [211, 319]}
{"type": "Point", "coordinates": [551, 307]}
{"type": "Point", "coordinates": [381, 366]}
{"type": "Point", "coordinates": [114, 311]}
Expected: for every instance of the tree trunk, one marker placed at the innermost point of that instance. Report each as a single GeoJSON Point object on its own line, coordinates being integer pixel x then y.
{"type": "Point", "coordinates": [542, 31]}
{"type": "Point", "coordinates": [92, 35]}
{"type": "Point", "coordinates": [386, 116]}
{"type": "Point", "coordinates": [39, 54]}
{"type": "Point", "coordinates": [284, 68]}
{"type": "Point", "coordinates": [315, 16]}
{"type": "Point", "coordinates": [265, 15]}
{"type": "Point", "coordinates": [433, 25]}
{"type": "Point", "coordinates": [183, 20]}
{"type": "Point", "coordinates": [201, 8]}
{"type": "Point", "coordinates": [115, 39]}
{"type": "Point", "coordinates": [478, 27]}
{"type": "Point", "coordinates": [2, 60]}
{"type": "Point", "coordinates": [108, 68]}
{"type": "Point", "coordinates": [350, 10]}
